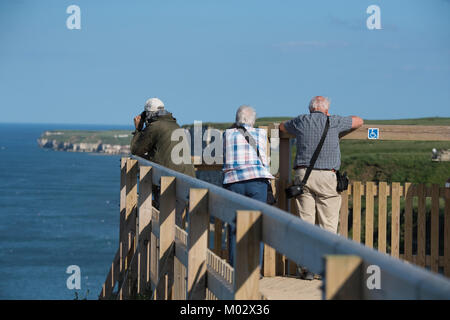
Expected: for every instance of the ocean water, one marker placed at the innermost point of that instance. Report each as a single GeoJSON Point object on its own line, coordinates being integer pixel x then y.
{"type": "Point", "coordinates": [57, 209]}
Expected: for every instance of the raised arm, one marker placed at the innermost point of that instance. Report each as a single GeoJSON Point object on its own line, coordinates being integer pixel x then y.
{"type": "Point", "coordinates": [357, 123]}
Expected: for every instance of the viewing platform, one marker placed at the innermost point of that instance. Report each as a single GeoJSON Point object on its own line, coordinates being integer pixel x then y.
{"type": "Point", "coordinates": [168, 254]}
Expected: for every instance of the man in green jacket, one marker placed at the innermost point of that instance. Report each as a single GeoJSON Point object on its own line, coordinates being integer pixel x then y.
{"type": "Point", "coordinates": [154, 142]}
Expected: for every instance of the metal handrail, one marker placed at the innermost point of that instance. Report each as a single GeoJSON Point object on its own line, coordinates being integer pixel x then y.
{"type": "Point", "coordinates": [307, 244]}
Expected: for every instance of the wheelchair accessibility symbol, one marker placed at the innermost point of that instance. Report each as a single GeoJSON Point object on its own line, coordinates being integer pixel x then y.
{"type": "Point", "coordinates": [373, 133]}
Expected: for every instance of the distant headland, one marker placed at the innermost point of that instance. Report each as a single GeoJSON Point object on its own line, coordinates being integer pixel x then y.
{"type": "Point", "coordinates": [108, 141]}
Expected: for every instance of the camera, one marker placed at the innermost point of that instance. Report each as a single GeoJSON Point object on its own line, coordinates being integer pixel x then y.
{"type": "Point", "coordinates": [142, 121]}
{"type": "Point", "coordinates": [294, 191]}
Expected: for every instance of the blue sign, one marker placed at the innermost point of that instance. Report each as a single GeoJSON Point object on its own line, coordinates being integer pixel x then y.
{"type": "Point", "coordinates": [373, 133]}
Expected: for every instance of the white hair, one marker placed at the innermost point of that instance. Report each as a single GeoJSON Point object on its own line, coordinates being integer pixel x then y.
{"type": "Point", "coordinates": [246, 115]}
{"type": "Point", "coordinates": [319, 103]}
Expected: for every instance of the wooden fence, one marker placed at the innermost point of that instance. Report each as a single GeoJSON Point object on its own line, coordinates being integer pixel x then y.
{"type": "Point", "coordinates": [425, 228]}
{"type": "Point", "coordinates": [164, 254]}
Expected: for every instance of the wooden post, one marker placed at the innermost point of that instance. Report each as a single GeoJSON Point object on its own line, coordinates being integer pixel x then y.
{"type": "Point", "coordinates": [356, 211]}
{"type": "Point", "coordinates": [131, 209]}
{"type": "Point", "coordinates": [395, 220]}
{"type": "Point", "coordinates": [421, 223]}
{"type": "Point", "coordinates": [197, 244]}
{"type": "Point", "coordinates": [218, 225]}
{"type": "Point", "coordinates": [343, 214]}
{"type": "Point", "coordinates": [273, 153]}
{"type": "Point", "coordinates": [408, 222]}
{"type": "Point", "coordinates": [129, 230]}
{"type": "Point", "coordinates": [382, 213]}
{"type": "Point", "coordinates": [144, 219]}
{"type": "Point", "coordinates": [122, 233]}
{"type": "Point", "coordinates": [344, 277]}
{"type": "Point", "coordinates": [166, 237]}
{"type": "Point", "coordinates": [434, 263]}
{"type": "Point", "coordinates": [369, 214]}
{"type": "Point", "coordinates": [284, 180]}
{"type": "Point", "coordinates": [247, 271]}
{"type": "Point", "coordinates": [447, 233]}
{"type": "Point", "coordinates": [154, 252]}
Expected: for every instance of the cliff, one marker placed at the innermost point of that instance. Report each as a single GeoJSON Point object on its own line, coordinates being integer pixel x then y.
{"type": "Point", "coordinates": [108, 142]}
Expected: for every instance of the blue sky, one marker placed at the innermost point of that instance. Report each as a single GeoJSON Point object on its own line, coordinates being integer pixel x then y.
{"type": "Point", "coordinates": [205, 58]}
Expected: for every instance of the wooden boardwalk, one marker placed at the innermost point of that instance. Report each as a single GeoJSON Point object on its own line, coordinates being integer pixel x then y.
{"type": "Point", "coordinates": [290, 288]}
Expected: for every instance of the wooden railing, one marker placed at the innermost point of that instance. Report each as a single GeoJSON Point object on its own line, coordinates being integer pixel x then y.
{"type": "Point", "coordinates": [405, 211]}
{"type": "Point", "coordinates": [161, 257]}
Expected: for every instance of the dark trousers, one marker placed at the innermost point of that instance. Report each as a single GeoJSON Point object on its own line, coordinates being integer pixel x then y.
{"type": "Point", "coordinates": [255, 189]}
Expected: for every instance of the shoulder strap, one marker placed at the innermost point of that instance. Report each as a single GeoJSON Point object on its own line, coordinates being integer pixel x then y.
{"type": "Point", "coordinates": [250, 140]}
{"type": "Point", "coordinates": [316, 152]}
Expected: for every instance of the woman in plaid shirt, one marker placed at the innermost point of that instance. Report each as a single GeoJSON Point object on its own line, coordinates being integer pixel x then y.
{"type": "Point", "coordinates": [244, 171]}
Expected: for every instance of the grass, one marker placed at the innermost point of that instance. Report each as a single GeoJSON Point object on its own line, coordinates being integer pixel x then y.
{"type": "Point", "coordinates": [394, 161]}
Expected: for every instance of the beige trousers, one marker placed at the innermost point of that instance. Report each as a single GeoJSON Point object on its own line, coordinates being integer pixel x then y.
{"type": "Point", "coordinates": [320, 200]}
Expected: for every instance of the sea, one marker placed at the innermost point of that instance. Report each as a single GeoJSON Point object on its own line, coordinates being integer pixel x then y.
{"type": "Point", "coordinates": [57, 210]}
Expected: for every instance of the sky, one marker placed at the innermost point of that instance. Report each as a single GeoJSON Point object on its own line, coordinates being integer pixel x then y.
{"type": "Point", "coordinates": [205, 58]}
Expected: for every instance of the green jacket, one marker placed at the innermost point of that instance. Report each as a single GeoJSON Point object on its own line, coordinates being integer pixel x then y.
{"type": "Point", "coordinates": [154, 144]}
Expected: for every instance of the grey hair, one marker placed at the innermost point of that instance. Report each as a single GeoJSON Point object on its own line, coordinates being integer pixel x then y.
{"type": "Point", "coordinates": [246, 115]}
{"type": "Point", "coordinates": [319, 103]}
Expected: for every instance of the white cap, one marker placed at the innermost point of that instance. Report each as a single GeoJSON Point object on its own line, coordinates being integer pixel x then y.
{"type": "Point", "coordinates": [153, 105]}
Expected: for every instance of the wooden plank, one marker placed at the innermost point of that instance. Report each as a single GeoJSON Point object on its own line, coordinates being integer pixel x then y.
{"type": "Point", "coordinates": [403, 132]}
{"type": "Point", "coordinates": [395, 220]}
{"type": "Point", "coordinates": [218, 233]}
{"type": "Point", "coordinates": [144, 219]}
{"type": "Point", "coordinates": [370, 186]}
{"type": "Point", "coordinates": [356, 235]}
{"type": "Point", "coordinates": [343, 214]}
{"type": "Point", "coordinates": [111, 278]}
{"type": "Point", "coordinates": [427, 260]}
{"type": "Point", "coordinates": [283, 202]}
{"type": "Point", "coordinates": [131, 210]}
{"type": "Point", "coordinates": [269, 261]}
{"type": "Point", "coordinates": [434, 228]}
{"type": "Point", "coordinates": [218, 286]}
{"type": "Point", "coordinates": [292, 266]}
{"type": "Point", "coordinates": [447, 233]}
{"type": "Point", "coordinates": [154, 260]}
{"type": "Point", "coordinates": [343, 277]}
{"type": "Point", "coordinates": [408, 222]}
{"type": "Point", "coordinates": [198, 222]}
{"type": "Point", "coordinates": [166, 237]}
{"type": "Point", "coordinates": [247, 271]}
{"type": "Point", "coordinates": [398, 132]}
{"type": "Point", "coordinates": [122, 234]}
{"type": "Point", "coordinates": [421, 225]}
{"type": "Point", "coordinates": [382, 213]}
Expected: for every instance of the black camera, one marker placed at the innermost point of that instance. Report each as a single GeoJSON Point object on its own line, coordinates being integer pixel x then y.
{"type": "Point", "coordinates": [294, 191]}
{"type": "Point", "coordinates": [142, 121]}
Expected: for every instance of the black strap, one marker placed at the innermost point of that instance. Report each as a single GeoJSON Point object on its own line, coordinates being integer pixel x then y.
{"type": "Point", "coordinates": [316, 153]}
{"type": "Point", "coordinates": [250, 140]}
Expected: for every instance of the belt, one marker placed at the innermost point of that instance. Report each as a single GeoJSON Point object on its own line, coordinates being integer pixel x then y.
{"type": "Point", "coordinates": [305, 167]}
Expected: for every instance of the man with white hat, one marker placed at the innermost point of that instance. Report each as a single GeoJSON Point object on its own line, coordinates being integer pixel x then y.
{"type": "Point", "coordinates": [154, 141]}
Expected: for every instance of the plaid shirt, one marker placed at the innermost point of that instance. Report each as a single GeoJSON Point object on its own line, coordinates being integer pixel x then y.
{"type": "Point", "coordinates": [308, 129]}
{"type": "Point", "coordinates": [241, 161]}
